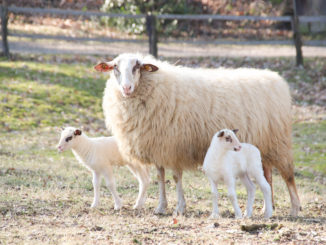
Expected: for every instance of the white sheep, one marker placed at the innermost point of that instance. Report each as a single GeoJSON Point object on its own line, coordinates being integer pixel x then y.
{"type": "Point", "coordinates": [99, 155]}
{"type": "Point", "coordinates": [165, 115]}
{"type": "Point", "coordinates": [227, 159]}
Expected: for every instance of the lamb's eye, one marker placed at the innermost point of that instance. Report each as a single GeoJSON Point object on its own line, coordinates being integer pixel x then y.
{"type": "Point", "coordinates": [68, 138]}
{"type": "Point", "coordinates": [228, 139]}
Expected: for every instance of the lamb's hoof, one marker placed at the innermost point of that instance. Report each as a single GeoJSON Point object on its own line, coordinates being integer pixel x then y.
{"type": "Point", "coordinates": [117, 206]}
{"type": "Point", "coordinates": [94, 205]}
{"type": "Point", "coordinates": [160, 210]}
{"type": "Point", "coordinates": [247, 215]}
{"type": "Point", "coordinates": [214, 216]}
{"type": "Point", "coordinates": [138, 206]}
{"type": "Point", "coordinates": [267, 215]}
{"type": "Point", "coordinates": [238, 216]}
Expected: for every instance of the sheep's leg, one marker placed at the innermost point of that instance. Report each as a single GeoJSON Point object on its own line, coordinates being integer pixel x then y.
{"type": "Point", "coordinates": [268, 175]}
{"type": "Point", "coordinates": [142, 175]}
{"type": "Point", "coordinates": [266, 189]}
{"type": "Point", "coordinates": [161, 209]}
{"type": "Point", "coordinates": [96, 186]}
{"type": "Point", "coordinates": [287, 172]}
{"type": "Point", "coordinates": [215, 213]}
{"type": "Point", "coordinates": [250, 186]}
{"type": "Point", "coordinates": [181, 206]}
{"type": "Point", "coordinates": [110, 182]}
{"type": "Point", "coordinates": [233, 198]}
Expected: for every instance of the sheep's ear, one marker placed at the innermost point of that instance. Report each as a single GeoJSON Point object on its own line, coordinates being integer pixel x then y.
{"type": "Point", "coordinates": [220, 134]}
{"type": "Point", "coordinates": [77, 132]}
{"type": "Point", "coordinates": [104, 66]}
{"type": "Point", "coordinates": [62, 128]}
{"type": "Point", "coordinates": [235, 130]}
{"type": "Point", "coordinates": [149, 67]}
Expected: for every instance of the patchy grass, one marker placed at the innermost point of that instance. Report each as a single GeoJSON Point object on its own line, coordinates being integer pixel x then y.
{"type": "Point", "coordinates": [37, 94]}
{"type": "Point", "coordinates": [46, 196]}
{"type": "Point", "coordinates": [310, 147]}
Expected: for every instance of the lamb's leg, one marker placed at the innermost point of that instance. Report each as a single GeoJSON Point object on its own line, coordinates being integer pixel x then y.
{"type": "Point", "coordinates": [110, 182]}
{"type": "Point", "coordinates": [266, 189]}
{"type": "Point", "coordinates": [181, 206]}
{"type": "Point", "coordinates": [250, 186]}
{"type": "Point", "coordinates": [142, 175]}
{"type": "Point", "coordinates": [96, 187]}
{"type": "Point", "coordinates": [161, 209]}
{"type": "Point", "coordinates": [233, 198]}
{"type": "Point", "coordinates": [215, 212]}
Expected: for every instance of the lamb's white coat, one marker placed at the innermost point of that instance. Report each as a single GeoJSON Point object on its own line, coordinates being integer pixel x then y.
{"type": "Point", "coordinates": [99, 155]}
{"type": "Point", "coordinates": [223, 163]}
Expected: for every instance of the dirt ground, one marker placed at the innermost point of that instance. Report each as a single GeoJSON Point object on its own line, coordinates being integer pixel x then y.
{"type": "Point", "coordinates": [20, 45]}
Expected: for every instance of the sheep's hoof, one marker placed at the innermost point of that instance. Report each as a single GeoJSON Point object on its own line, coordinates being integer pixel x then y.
{"type": "Point", "coordinates": [214, 216]}
{"type": "Point", "coordinates": [180, 210]}
{"type": "Point", "coordinates": [295, 210]}
{"type": "Point", "coordinates": [160, 210]}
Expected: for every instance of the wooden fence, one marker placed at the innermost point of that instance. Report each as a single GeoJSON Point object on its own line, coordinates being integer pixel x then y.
{"type": "Point", "coordinates": [151, 30]}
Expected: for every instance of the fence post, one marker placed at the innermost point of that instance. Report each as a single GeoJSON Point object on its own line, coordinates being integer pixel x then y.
{"type": "Point", "coordinates": [152, 35]}
{"type": "Point", "coordinates": [4, 29]}
{"type": "Point", "coordinates": [297, 35]}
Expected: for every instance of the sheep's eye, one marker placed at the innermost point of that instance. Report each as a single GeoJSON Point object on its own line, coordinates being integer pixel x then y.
{"type": "Point", "coordinates": [228, 139]}
{"type": "Point", "coordinates": [68, 138]}
{"type": "Point", "coordinates": [134, 69]}
{"type": "Point", "coordinates": [116, 70]}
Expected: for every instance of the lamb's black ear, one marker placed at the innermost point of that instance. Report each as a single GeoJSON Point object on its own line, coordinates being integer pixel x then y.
{"type": "Point", "coordinates": [220, 134]}
{"type": "Point", "coordinates": [77, 132]}
{"type": "Point", "coordinates": [235, 130]}
{"type": "Point", "coordinates": [62, 128]}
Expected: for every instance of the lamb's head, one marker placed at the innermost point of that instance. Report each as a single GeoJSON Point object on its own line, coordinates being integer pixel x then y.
{"type": "Point", "coordinates": [127, 70]}
{"type": "Point", "coordinates": [68, 139]}
{"type": "Point", "coordinates": [228, 139]}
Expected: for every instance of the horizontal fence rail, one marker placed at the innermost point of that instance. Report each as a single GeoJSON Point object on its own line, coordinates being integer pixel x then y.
{"type": "Point", "coordinates": [151, 29]}
{"type": "Point", "coordinates": [67, 38]}
{"type": "Point", "coordinates": [23, 10]}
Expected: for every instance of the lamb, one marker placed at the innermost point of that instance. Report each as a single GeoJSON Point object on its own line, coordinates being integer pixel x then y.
{"type": "Point", "coordinates": [99, 155]}
{"type": "Point", "coordinates": [227, 159]}
{"type": "Point", "coordinates": [165, 115]}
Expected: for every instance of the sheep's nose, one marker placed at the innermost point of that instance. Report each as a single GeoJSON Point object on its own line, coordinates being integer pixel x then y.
{"type": "Point", "coordinates": [127, 89]}
{"type": "Point", "coordinates": [59, 148]}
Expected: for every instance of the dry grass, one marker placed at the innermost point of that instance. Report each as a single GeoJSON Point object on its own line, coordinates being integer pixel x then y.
{"type": "Point", "coordinates": [46, 198]}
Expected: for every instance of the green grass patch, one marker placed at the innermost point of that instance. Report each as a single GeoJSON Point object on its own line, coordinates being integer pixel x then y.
{"type": "Point", "coordinates": [310, 147]}
{"type": "Point", "coordinates": [35, 94]}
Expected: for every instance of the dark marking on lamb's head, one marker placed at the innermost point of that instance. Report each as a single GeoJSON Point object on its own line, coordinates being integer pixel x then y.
{"type": "Point", "coordinates": [220, 134]}
{"type": "Point", "coordinates": [77, 132]}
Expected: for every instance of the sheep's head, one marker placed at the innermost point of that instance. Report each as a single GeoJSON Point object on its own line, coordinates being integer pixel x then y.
{"type": "Point", "coordinates": [127, 69]}
{"type": "Point", "coordinates": [228, 139]}
{"type": "Point", "coordinates": [68, 138]}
